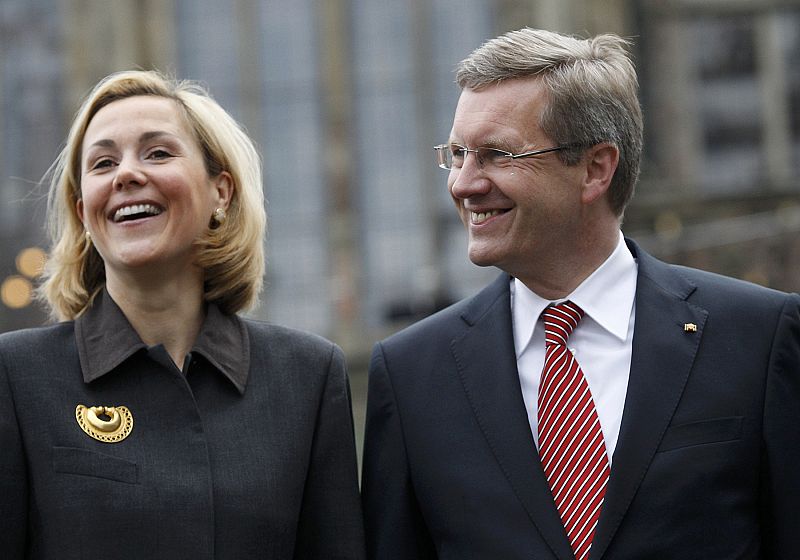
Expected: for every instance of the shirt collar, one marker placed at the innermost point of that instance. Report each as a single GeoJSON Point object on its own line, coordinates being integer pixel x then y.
{"type": "Point", "coordinates": [105, 339]}
{"type": "Point", "coordinates": [606, 296]}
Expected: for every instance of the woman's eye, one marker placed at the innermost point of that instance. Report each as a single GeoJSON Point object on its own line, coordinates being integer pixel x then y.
{"type": "Point", "coordinates": [103, 162]}
{"type": "Point", "coordinates": [159, 154]}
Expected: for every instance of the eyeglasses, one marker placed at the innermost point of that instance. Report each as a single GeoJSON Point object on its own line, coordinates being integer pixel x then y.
{"type": "Point", "coordinates": [449, 156]}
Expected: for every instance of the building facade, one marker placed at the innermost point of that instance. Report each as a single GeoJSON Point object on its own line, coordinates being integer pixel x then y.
{"type": "Point", "coordinates": [346, 99]}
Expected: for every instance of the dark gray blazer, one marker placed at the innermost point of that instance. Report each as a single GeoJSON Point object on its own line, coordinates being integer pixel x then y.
{"type": "Point", "coordinates": [706, 465]}
{"type": "Point", "coordinates": [247, 453]}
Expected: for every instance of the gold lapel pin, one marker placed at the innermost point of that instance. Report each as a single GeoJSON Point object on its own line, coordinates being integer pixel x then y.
{"type": "Point", "coordinates": [109, 424]}
{"type": "Point", "coordinates": [689, 327]}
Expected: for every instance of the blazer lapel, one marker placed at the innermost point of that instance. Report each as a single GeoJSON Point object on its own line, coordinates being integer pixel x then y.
{"type": "Point", "coordinates": [664, 348]}
{"type": "Point", "coordinates": [487, 366]}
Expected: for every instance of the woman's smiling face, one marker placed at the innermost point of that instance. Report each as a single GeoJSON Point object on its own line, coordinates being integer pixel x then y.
{"type": "Point", "coordinates": [146, 196]}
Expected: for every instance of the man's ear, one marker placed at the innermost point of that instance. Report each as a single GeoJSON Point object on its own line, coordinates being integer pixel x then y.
{"type": "Point", "coordinates": [601, 162]}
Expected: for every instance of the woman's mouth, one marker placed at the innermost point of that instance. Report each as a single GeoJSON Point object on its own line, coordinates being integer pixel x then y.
{"type": "Point", "coordinates": [135, 212]}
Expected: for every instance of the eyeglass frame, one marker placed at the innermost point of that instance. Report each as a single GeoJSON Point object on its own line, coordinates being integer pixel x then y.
{"type": "Point", "coordinates": [443, 148]}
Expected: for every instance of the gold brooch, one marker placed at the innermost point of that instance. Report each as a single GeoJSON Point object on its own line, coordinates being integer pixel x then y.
{"type": "Point", "coordinates": [689, 327]}
{"type": "Point", "coordinates": [109, 424]}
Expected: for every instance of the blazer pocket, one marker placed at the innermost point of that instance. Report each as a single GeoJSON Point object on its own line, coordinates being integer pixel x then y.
{"type": "Point", "coordinates": [74, 460]}
{"type": "Point", "coordinates": [718, 430]}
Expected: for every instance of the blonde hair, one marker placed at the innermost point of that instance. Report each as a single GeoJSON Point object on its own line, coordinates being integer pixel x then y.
{"type": "Point", "coordinates": [592, 89]}
{"type": "Point", "coordinates": [232, 254]}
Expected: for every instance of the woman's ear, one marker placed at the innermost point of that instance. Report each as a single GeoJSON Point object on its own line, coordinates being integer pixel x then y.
{"type": "Point", "coordinates": [223, 187]}
{"type": "Point", "coordinates": [601, 164]}
{"type": "Point", "coordinates": [79, 211]}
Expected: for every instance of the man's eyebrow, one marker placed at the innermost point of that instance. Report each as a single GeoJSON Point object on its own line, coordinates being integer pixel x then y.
{"type": "Point", "coordinates": [497, 142]}
{"type": "Point", "coordinates": [488, 142]}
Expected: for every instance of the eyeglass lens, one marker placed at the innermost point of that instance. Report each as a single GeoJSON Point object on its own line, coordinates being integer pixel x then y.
{"type": "Point", "coordinates": [455, 155]}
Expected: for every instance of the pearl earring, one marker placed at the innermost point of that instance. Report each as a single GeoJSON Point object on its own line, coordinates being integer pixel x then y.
{"type": "Point", "coordinates": [218, 217]}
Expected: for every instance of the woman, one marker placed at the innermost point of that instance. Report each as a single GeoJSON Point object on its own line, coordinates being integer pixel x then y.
{"type": "Point", "coordinates": [153, 422]}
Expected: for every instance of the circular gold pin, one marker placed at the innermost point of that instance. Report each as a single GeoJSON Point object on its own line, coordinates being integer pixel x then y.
{"type": "Point", "coordinates": [109, 424]}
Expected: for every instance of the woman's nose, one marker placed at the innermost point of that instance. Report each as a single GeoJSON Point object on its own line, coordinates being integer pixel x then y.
{"type": "Point", "coordinates": [129, 173]}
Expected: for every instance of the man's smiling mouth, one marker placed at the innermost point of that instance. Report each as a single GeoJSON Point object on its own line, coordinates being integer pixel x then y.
{"type": "Point", "coordinates": [480, 217]}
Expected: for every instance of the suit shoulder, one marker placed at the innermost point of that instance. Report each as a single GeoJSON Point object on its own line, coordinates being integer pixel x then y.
{"type": "Point", "coordinates": [35, 350]}
{"type": "Point", "coordinates": [432, 324]}
{"type": "Point", "coordinates": [279, 338]}
{"type": "Point", "coordinates": [444, 325]}
{"type": "Point", "coordinates": [731, 291]}
{"type": "Point", "coordinates": [37, 339]}
{"type": "Point", "coordinates": [708, 289]}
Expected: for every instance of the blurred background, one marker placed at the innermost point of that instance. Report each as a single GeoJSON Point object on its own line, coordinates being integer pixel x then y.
{"type": "Point", "coordinates": [346, 99]}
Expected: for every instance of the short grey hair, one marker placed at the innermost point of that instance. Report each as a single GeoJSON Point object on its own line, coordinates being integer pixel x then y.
{"type": "Point", "coordinates": [592, 89]}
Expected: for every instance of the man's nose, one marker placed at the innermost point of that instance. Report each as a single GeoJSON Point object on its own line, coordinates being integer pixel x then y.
{"type": "Point", "coordinates": [469, 179]}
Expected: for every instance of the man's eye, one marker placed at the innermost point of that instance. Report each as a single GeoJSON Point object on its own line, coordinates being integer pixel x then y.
{"type": "Point", "coordinates": [459, 153]}
{"type": "Point", "coordinates": [490, 155]}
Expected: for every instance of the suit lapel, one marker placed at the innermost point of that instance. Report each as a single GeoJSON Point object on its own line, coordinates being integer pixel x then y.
{"type": "Point", "coordinates": [663, 354]}
{"type": "Point", "coordinates": [487, 366]}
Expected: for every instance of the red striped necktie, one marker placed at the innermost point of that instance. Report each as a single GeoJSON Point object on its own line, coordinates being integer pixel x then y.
{"type": "Point", "coordinates": [571, 445]}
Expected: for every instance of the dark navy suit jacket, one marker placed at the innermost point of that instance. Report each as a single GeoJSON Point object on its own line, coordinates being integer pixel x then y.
{"type": "Point", "coordinates": [707, 464]}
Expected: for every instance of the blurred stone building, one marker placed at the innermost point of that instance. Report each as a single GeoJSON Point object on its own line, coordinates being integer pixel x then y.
{"type": "Point", "coordinates": [346, 99]}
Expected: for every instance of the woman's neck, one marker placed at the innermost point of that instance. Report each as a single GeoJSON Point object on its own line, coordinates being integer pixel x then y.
{"type": "Point", "coordinates": [169, 312]}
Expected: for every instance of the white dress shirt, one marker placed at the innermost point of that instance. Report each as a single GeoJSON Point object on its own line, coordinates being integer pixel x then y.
{"type": "Point", "coordinates": [602, 341]}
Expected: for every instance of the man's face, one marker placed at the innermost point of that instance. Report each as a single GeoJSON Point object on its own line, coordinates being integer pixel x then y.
{"type": "Point", "coordinates": [519, 217]}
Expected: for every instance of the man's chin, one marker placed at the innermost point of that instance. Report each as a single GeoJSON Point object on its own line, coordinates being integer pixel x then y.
{"type": "Point", "coordinates": [482, 258]}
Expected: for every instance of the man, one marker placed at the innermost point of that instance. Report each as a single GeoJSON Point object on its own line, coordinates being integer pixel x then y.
{"type": "Point", "coordinates": [592, 402]}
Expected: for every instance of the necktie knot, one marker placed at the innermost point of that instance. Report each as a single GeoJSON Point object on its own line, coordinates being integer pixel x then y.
{"type": "Point", "coordinates": [559, 322]}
